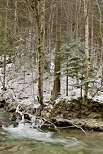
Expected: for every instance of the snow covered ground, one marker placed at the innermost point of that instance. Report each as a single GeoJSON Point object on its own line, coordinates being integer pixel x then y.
{"type": "Point", "coordinates": [25, 87]}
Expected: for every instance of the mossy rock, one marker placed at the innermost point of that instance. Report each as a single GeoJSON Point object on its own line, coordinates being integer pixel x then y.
{"type": "Point", "coordinates": [13, 109]}
{"type": "Point", "coordinates": [26, 116]}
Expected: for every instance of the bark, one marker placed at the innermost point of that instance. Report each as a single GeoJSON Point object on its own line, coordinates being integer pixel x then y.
{"type": "Point", "coordinates": [4, 63]}
{"type": "Point", "coordinates": [78, 10]}
{"type": "Point", "coordinates": [15, 20]}
{"type": "Point", "coordinates": [101, 35]}
{"type": "Point", "coordinates": [67, 84]}
{"type": "Point", "coordinates": [40, 17]}
{"type": "Point", "coordinates": [92, 41]}
{"type": "Point", "coordinates": [56, 90]}
{"type": "Point", "coordinates": [86, 50]}
{"type": "Point", "coordinates": [15, 29]}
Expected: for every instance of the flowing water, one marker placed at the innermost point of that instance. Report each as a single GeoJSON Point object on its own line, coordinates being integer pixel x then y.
{"type": "Point", "coordinates": [25, 140]}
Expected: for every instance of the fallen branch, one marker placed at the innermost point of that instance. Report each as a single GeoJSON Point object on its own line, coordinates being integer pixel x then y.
{"type": "Point", "coordinates": [69, 124]}
{"type": "Point", "coordinates": [50, 124]}
{"type": "Point", "coordinates": [80, 129]}
{"type": "Point", "coordinates": [35, 122]}
{"type": "Point", "coordinates": [22, 115]}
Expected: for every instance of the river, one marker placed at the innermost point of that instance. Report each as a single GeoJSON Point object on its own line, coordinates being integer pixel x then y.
{"type": "Point", "coordinates": [25, 140]}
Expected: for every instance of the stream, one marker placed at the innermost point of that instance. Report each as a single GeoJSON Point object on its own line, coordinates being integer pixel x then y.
{"type": "Point", "coordinates": [25, 140]}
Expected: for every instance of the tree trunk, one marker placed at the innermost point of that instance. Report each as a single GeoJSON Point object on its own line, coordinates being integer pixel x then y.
{"type": "Point", "coordinates": [86, 51]}
{"type": "Point", "coordinates": [40, 17]}
{"type": "Point", "coordinates": [67, 77]}
{"type": "Point", "coordinates": [101, 35]}
{"type": "Point", "coordinates": [56, 90]}
{"type": "Point", "coordinates": [4, 63]}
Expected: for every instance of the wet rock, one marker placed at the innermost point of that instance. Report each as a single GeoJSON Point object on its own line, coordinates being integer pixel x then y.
{"type": "Point", "coordinates": [15, 124]}
{"type": "Point", "coordinates": [0, 124]}
{"type": "Point", "coordinates": [26, 116]}
{"type": "Point", "coordinates": [2, 104]}
{"type": "Point", "coordinates": [15, 117]}
{"type": "Point", "coordinates": [13, 109]}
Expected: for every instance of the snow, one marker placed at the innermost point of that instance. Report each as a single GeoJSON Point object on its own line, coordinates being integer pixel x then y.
{"type": "Point", "coordinates": [99, 97]}
{"type": "Point", "coordinates": [25, 87]}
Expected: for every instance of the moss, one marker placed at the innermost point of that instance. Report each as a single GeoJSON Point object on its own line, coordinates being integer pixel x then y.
{"type": "Point", "coordinates": [13, 109]}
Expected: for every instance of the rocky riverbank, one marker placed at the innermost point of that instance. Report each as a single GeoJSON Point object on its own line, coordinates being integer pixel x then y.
{"type": "Point", "coordinates": [60, 114]}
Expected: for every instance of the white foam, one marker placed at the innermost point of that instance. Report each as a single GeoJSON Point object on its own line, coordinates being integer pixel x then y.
{"type": "Point", "coordinates": [25, 132]}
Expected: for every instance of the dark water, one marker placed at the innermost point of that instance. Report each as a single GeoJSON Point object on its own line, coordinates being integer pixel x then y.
{"type": "Point", "coordinates": [25, 140]}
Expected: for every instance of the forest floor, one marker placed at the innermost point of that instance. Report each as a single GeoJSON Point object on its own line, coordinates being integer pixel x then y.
{"type": "Point", "coordinates": [64, 112]}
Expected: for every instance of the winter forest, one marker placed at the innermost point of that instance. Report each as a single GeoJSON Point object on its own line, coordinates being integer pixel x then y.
{"type": "Point", "coordinates": [51, 76]}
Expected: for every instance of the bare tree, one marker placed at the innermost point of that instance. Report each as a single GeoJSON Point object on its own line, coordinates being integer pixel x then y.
{"type": "Point", "coordinates": [5, 48]}
{"type": "Point", "coordinates": [56, 90]}
{"type": "Point", "coordinates": [40, 18]}
{"type": "Point", "coordinates": [101, 35]}
{"type": "Point", "coordinates": [86, 50]}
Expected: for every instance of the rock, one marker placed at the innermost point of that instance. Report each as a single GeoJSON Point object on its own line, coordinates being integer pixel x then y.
{"type": "Point", "coordinates": [13, 109]}
{"type": "Point", "coordinates": [2, 104]}
{"type": "Point", "coordinates": [15, 124]}
{"type": "Point", "coordinates": [0, 124]}
{"type": "Point", "coordinates": [45, 114]}
{"type": "Point", "coordinates": [13, 117]}
{"type": "Point", "coordinates": [95, 115]}
{"type": "Point", "coordinates": [26, 116]}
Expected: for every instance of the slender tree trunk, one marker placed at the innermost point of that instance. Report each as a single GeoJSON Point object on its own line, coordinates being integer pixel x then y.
{"type": "Point", "coordinates": [67, 72]}
{"type": "Point", "coordinates": [92, 43]}
{"type": "Point", "coordinates": [15, 20]}
{"type": "Point", "coordinates": [4, 64]}
{"type": "Point", "coordinates": [78, 10]}
{"type": "Point", "coordinates": [92, 55]}
{"type": "Point", "coordinates": [67, 77]}
{"type": "Point", "coordinates": [40, 16]}
{"type": "Point", "coordinates": [101, 35]}
{"type": "Point", "coordinates": [86, 50]}
{"type": "Point", "coordinates": [56, 90]}
{"type": "Point", "coordinates": [15, 29]}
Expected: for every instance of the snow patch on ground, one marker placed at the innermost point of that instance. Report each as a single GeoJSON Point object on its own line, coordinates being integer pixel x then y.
{"type": "Point", "coordinates": [25, 86]}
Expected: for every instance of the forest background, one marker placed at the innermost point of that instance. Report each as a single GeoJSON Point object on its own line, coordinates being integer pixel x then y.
{"type": "Point", "coordinates": [55, 49]}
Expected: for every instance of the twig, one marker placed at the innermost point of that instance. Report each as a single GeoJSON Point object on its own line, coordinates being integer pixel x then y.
{"type": "Point", "coordinates": [52, 124]}
{"type": "Point", "coordinates": [80, 128]}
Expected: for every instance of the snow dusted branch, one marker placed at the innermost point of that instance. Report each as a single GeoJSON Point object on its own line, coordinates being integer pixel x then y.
{"type": "Point", "coordinates": [35, 122]}
{"type": "Point", "coordinates": [22, 115]}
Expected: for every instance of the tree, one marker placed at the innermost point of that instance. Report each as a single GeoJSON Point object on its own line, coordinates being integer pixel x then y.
{"type": "Point", "coordinates": [86, 17]}
{"type": "Point", "coordinates": [101, 36]}
{"type": "Point", "coordinates": [40, 18]}
{"type": "Point", "coordinates": [5, 48]}
{"type": "Point", "coordinates": [56, 88]}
